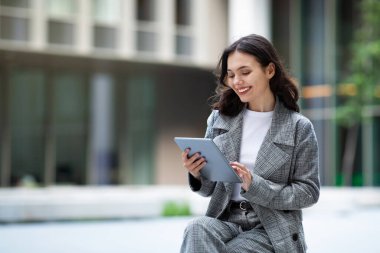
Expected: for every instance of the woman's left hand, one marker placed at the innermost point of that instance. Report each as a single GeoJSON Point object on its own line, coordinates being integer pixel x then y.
{"type": "Point", "coordinates": [243, 173]}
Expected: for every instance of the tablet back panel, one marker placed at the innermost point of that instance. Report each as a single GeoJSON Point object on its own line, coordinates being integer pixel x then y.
{"type": "Point", "coordinates": [217, 167]}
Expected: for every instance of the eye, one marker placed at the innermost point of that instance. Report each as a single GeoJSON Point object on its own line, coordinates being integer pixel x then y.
{"type": "Point", "coordinates": [230, 75]}
{"type": "Point", "coordinates": [245, 73]}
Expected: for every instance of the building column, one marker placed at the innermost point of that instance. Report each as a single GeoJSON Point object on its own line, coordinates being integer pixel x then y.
{"type": "Point", "coordinates": [101, 129]}
{"type": "Point", "coordinates": [127, 28]}
{"type": "Point", "coordinates": [249, 16]}
{"type": "Point", "coordinates": [167, 26]}
{"type": "Point", "coordinates": [330, 70]}
{"type": "Point", "coordinates": [84, 27]}
{"type": "Point", "coordinates": [368, 150]}
{"type": "Point", "coordinates": [38, 25]}
{"type": "Point", "coordinates": [5, 128]}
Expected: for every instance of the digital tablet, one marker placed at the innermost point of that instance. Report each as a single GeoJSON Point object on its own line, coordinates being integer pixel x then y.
{"type": "Point", "coordinates": [217, 167]}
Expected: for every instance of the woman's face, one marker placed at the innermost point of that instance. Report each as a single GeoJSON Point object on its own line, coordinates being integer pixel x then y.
{"type": "Point", "coordinates": [249, 79]}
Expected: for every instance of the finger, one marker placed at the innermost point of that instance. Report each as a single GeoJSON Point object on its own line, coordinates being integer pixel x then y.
{"type": "Point", "coordinates": [197, 168]}
{"type": "Point", "coordinates": [194, 157]}
{"type": "Point", "coordinates": [187, 162]}
{"type": "Point", "coordinates": [193, 164]}
{"type": "Point", "coordinates": [238, 171]}
{"type": "Point", "coordinates": [237, 164]}
{"type": "Point", "coordinates": [196, 163]}
{"type": "Point", "coordinates": [245, 175]}
{"type": "Point", "coordinates": [185, 154]}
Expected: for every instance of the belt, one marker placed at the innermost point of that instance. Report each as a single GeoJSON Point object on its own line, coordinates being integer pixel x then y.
{"type": "Point", "coordinates": [242, 205]}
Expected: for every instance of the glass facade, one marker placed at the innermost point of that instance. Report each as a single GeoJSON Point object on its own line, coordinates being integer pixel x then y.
{"type": "Point", "coordinates": [27, 120]}
{"type": "Point", "coordinates": [70, 101]}
{"type": "Point", "coordinates": [141, 117]}
{"type": "Point", "coordinates": [71, 123]}
{"type": "Point", "coordinates": [95, 119]}
{"type": "Point", "coordinates": [314, 37]}
{"type": "Point", "coordinates": [128, 101]}
{"type": "Point", "coordinates": [376, 151]}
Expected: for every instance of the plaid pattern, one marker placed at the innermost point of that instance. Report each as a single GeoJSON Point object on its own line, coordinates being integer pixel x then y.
{"type": "Point", "coordinates": [205, 234]}
{"type": "Point", "coordinates": [285, 177]}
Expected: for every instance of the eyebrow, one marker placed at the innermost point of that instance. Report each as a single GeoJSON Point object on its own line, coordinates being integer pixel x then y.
{"type": "Point", "coordinates": [239, 68]}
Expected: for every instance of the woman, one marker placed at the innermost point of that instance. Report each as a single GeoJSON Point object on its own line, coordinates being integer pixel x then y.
{"type": "Point", "coordinates": [257, 125]}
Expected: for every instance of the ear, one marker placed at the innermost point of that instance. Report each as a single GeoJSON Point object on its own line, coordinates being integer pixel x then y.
{"type": "Point", "coordinates": [270, 70]}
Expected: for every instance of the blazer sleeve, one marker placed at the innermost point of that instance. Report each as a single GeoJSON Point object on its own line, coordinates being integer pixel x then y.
{"type": "Point", "coordinates": [303, 189]}
{"type": "Point", "coordinates": [204, 187]}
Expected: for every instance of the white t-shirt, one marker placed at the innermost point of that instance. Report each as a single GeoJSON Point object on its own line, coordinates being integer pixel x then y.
{"type": "Point", "coordinates": [255, 128]}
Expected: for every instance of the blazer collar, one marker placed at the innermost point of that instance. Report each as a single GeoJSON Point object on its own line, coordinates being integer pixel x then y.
{"type": "Point", "coordinates": [283, 127]}
{"type": "Point", "coordinates": [281, 130]}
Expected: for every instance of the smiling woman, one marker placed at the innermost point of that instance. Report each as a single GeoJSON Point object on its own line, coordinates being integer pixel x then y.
{"type": "Point", "coordinates": [272, 148]}
{"type": "Point", "coordinates": [252, 56]}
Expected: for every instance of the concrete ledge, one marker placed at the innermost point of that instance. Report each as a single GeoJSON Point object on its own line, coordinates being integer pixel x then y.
{"type": "Point", "coordinates": [65, 203]}
{"type": "Point", "coordinates": [112, 202]}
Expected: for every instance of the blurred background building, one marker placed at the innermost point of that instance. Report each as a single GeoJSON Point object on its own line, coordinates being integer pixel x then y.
{"type": "Point", "coordinates": [93, 91]}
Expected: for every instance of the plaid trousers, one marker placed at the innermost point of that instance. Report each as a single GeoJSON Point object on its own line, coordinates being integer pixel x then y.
{"type": "Point", "coordinates": [235, 235]}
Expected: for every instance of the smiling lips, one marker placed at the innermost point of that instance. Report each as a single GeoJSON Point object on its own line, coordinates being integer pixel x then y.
{"type": "Point", "coordinates": [243, 90]}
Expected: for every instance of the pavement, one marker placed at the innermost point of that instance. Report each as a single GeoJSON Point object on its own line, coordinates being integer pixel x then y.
{"type": "Point", "coordinates": [344, 220]}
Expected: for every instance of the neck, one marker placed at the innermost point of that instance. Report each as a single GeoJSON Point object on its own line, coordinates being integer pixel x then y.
{"type": "Point", "coordinates": [265, 104]}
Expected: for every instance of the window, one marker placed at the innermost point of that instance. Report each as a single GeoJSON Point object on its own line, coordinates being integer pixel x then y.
{"type": "Point", "coordinates": [140, 131]}
{"type": "Point", "coordinates": [15, 3]}
{"type": "Point", "coordinates": [146, 41]}
{"type": "Point", "coordinates": [104, 37]}
{"type": "Point", "coordinates": [61, 21]}
{"type": "Point", "coordinates": [70, 107]}
{"type": "Point", "coordinates": [146, 35]}
{"type": "Point", "coordinates": [14, 28]}
{"type": "Point", "coordinates": [15, 20]}
{"type": "Point", "coordinates": [146, 10]}
{"type": "Point", "coordinates": [61, 33]}
{"type": "Point", "coordinates": [107, 16]}
{"type": "Point", "coordinates": [61, 8]}
{"type": "Point", "coordinates": [27, 105]}
{"type": "Point", "coordinates": [184, 45]}
{"type": "Point", "coordinates": [183, 11]}
{"type": "Point", "coordinates": [106, 10]}
{"type": "Point", "coordinates": [184, 37]}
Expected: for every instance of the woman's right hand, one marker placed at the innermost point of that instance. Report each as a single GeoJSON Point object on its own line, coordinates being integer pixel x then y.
{"type": "Point", "coordinates": [193, 164]}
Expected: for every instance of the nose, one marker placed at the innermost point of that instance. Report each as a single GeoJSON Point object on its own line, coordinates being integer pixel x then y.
{"type": "Point", "coordinates": [237, 80]}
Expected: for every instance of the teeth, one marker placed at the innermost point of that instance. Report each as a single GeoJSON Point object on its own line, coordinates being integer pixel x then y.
{"type": "Point", "coordinates": [243, 90]}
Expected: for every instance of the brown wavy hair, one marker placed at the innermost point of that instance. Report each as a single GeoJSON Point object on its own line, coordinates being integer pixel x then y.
{"type": "Point", "coordinates": [281, 84]}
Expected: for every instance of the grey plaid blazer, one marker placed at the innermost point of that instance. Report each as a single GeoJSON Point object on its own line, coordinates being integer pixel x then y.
{"type": "Point", "coordinates": [285, 177]}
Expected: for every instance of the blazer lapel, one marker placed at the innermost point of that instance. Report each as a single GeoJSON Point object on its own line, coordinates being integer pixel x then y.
{"type": "Point", "coordinates": [229, 140]}
{"type": "Point", "coordinates": [281, 132]}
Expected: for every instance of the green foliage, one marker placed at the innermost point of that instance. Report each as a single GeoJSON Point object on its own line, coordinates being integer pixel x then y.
{"type": "Point", "coordinates": [357, 179]}
{"type": "Point", "coordinates": [172, 208]}
{"type": "Point", "coordinates": [364, 64]}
